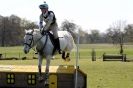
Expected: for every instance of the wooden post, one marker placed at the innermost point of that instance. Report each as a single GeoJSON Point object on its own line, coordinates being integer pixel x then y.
{"type": "Point", "coordinates": [93, 54]}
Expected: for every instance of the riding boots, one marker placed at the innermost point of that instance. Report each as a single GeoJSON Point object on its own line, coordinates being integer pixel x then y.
{"type": "Point", "coordinates": [57, 42]}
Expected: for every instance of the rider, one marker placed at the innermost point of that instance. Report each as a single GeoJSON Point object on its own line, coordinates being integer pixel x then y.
{"type": "Point", "coordinates": [50, 23]}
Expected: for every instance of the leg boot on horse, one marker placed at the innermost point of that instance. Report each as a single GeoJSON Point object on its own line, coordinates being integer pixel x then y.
{"type": "Point", "coordinates": [46, 79]}
{"type": "Point", "coordinates": [40, 78]}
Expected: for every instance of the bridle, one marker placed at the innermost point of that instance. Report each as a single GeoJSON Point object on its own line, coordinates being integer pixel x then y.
{"type": "Point", "coordinates": [31, 41]}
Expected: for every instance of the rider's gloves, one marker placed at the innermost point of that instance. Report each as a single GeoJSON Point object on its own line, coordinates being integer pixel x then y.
{"type": "Point", "coordinates": [43, 31]}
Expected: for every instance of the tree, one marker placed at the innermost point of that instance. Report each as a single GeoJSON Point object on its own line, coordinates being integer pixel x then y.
{"type": "Point", "coordinates": [129, 32]}
{"type": "Point", "coordinates": [117, 33]}
{"type": "Point", "coordinates": [70, 27]}
{"type": "Point", "coordinates": [12, 30]}
{"type": "Point", "coordinates": [74, 29]}
{"type": "Point", "coordinates": [1, 23]}
{"type": "Point", "coordinates": [3, 30]}
{"type": "Point", "coordinates": [95, 35]}
{"type": "Point", "coordinates": [25, 24]}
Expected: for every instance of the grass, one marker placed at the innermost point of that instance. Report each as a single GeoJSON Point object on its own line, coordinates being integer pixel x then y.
{"type": "Point", "coordinates": [110, 75]}
{"type": "Point", "coordinates": [113, 74]}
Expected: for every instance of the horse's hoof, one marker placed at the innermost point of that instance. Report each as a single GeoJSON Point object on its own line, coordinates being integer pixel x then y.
{"type": "Point", "coordinates": [64, 58]}
{"type": "Point", "coordinates": [40, 81]}
{"type": "Point", "coordinates": [68, 59]}
{"type": "Point", "coordinates": [46, 85]}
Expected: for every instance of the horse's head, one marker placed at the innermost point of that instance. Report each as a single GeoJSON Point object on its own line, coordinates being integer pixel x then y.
{"type": "Point", "coordinates": [28, 40]}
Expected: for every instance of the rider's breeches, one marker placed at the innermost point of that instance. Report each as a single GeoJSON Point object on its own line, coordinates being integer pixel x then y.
{"type": "Point", "coordinates": [55, 33]}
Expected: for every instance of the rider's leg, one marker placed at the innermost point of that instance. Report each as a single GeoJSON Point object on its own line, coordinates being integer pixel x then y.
{"type": "Point", "coordinates": [58, 45]}
{"type": "Point", "coordinates": [57, 42]}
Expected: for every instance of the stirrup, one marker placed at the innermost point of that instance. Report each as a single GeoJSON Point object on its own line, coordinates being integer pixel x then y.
{"type": "Point", "coordinates": [60, 52]}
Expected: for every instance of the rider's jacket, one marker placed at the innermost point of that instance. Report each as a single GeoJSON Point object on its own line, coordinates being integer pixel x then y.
{"type": "Point", "coordinates": [50, 21]}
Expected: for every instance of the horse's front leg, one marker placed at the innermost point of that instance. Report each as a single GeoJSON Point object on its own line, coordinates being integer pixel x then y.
{"type": "Point", "coordinates": [47, 69]}
{"type": "Point", "coordinates": [40, 67]}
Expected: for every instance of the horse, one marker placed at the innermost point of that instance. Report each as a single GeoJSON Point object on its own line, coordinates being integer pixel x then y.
{"type": "Point", "coordinates": [45, 47]}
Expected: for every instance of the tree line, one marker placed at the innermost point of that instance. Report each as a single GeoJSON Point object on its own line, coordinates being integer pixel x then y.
{"type": "Point", "coordinates": [12, 32]}
{"type": "Point", "coordinates": [118, 33]}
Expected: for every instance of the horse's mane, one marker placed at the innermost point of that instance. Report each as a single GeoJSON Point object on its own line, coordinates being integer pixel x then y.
{"type": "Point", "coordinates": [35, 31]}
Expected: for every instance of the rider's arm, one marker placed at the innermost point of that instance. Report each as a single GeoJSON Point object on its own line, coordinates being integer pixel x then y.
{"type": "Point", "coordinates": [48, 22]}
{"type": "Point", "coordinates": [41, 22]}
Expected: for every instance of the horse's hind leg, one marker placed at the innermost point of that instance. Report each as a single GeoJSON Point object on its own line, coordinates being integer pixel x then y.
{"type": "Point", "coordinates": [67, 57]}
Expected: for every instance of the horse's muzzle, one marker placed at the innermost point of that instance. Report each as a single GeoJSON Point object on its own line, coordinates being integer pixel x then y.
{"type": "Point", "coordinates": [26, 50]}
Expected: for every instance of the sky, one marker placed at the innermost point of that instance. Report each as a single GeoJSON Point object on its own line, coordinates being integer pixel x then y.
{"type": "Point", "coordinates": [89, 14]}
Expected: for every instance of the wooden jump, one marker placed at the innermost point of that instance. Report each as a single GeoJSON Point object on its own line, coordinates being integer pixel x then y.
{"type": "Point", "coordinates": [26, 76]}
{"type": "Point", "coordinates": [114, 57]}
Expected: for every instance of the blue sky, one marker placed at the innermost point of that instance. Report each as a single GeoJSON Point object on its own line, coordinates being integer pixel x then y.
{"type": "Point", "coordinates": [89, 14]}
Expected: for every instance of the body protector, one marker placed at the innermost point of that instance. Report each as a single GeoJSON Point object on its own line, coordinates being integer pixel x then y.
{"type": "Point", "coordinates": [49, 19]}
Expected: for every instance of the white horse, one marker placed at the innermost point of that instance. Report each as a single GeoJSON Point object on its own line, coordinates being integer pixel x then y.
{"type": "Point", "coordinates": [45, 47]}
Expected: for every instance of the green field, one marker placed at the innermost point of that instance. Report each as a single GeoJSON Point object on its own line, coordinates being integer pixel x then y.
{"type": "Point", "coordinates": [112, 74]}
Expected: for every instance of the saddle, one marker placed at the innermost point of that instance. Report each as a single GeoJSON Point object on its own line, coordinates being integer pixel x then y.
{"type": "Point", "coordinates": [51, 38]}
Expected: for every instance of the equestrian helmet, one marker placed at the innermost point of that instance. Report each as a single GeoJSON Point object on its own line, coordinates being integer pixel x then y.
{"type": "Point", "coordinates": [43, 6]}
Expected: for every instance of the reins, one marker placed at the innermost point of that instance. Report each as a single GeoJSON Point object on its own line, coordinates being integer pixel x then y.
{"type": "Point", "coordinates": [44, 43]}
